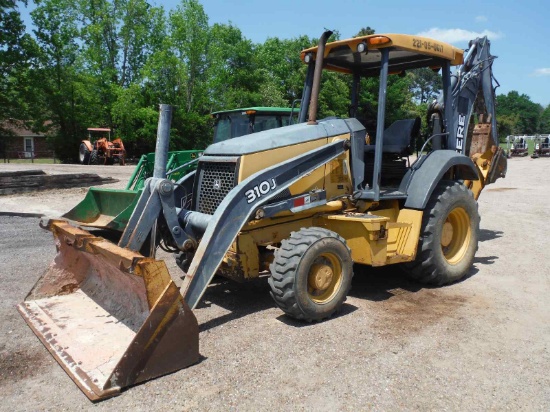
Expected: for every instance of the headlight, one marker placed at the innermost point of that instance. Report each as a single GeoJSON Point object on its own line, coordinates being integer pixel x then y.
{"type": "Point", "coordinates": [361, 47]}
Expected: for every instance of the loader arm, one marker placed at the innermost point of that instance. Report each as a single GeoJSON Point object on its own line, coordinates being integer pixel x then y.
{"type": "Point", "coordinates": [237, 207]}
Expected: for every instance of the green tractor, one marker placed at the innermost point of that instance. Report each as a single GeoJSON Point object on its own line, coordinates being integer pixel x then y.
{"type": "Point", "coordinates": [111, 208]}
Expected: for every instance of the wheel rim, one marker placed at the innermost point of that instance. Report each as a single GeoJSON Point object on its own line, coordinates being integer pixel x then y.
{"type": "Point", "coordinates": [324, 278]}
{"type": "Point", "coordinates": [456, 235]}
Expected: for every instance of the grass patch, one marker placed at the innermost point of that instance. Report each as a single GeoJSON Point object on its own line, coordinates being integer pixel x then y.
{"type": "Point", "coordinates": [45, 161]}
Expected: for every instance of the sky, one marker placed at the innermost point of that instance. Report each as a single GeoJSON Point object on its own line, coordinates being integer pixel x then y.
{"type": "Point", "coordinates": [519, 30]}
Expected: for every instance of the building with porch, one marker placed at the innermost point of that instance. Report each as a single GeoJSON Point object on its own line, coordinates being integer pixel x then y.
{"type": "Point", "coordinates": [18, 141]}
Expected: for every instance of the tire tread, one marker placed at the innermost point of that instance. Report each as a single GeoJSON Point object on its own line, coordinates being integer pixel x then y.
{"type": "Point", "coordinates": [425, 268]}
{"type": "Point", "coordinates": [285, 264]}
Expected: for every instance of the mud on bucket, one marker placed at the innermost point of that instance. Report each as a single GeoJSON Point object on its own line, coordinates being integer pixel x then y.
{"type": "Point", "coordinates": [111, 317]}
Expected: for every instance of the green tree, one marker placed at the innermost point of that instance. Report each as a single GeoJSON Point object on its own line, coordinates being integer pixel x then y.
{"type": "Point", "coordinates": [189, 44]}
{"type": "Point", "coordinates": [144, 76]}
{"type": "Point", "coordinates": [424, 84]}
{"type": "Point", "coordinates": [507, 125]}
{"type": "Point", "coordinates": [283, 68]}
{"type": "Point", "coordinates": [164, 74]}
{"type": "Point", "coordinates": [136, 119]}
{"type": "Point", "coordinates": [59, 80]}
{"type": "Point", "coordinates": [190, 36]}
{"type": "Point", "coordinates": [234, 76]}
{"type": "Point", "coordinates": [177, 72]}
{"type": "Point", "coordinates": [333, 96]}
{"type": "Point", "coordinates": [365, 31]}
{"type": "Point", "coordinates": [142, 32]}
{"type": "Point", "coordinates": [517, 114]}
{"type": "Point", "coordinates": [118, 36]}
{"type": "Point", "coordinates": [17, 54]}
{"type": "Point", "coordinates": [544, 124]}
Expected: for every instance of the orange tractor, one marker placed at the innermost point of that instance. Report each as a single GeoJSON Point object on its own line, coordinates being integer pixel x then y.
{"type": "Point", "coordinates": [103, 150]}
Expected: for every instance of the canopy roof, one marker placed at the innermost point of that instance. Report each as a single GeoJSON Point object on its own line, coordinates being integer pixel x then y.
{"type": "Point", "coordinates": [406, 52]}
{"type": "Point", "coordinates": [98, 129]}
{"type": "Point", "coordinates": [259, 110]}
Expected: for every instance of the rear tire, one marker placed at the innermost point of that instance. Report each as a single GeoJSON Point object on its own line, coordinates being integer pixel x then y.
{"type": "Point", "coordinates": [311, 274]}
{"type": "Point", "coordinates": [83, 154]}
{"type": "Point", "coordinates": [94, 157]}
{"type": "Point", "coordinates": [449, 236]}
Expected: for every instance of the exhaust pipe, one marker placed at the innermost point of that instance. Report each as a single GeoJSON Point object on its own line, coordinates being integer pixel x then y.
{"type": "Point", "coordinates": [163, 139]}
{"type": "Point", "coordinates": [313, 104]}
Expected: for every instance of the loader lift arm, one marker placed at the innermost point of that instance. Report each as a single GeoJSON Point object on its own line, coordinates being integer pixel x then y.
{"type": "Point", "coordinates": [236, 209]}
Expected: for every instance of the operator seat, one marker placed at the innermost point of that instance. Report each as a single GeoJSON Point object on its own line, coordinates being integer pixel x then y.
{"type": "Point", "coordinates": [399, 138]}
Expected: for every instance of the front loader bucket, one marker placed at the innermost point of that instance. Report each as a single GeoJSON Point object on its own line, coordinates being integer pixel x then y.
{"type": "Point", "coordinates": [111, 317]}
{"type": "Point", "coordinates": [105, 208]}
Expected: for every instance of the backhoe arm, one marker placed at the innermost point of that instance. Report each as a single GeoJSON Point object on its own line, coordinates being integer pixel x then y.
{"type": "Point", "coordinates": [473, 94]}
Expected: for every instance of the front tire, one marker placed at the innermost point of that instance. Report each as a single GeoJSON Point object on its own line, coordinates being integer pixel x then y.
{"type": "Point", "coordinates": [311, 274]}
{"type": "Point", "coordinates": [449, 236]}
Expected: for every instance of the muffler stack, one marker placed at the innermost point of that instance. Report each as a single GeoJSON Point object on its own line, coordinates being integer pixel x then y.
{"type": "Point", "coordinates": [110, 316]}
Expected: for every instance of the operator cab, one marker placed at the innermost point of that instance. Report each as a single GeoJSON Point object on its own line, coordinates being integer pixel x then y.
{"type": "Point", "coordinates": [380, 168]}
{"type": "Point", "coordinates": [240, 122]}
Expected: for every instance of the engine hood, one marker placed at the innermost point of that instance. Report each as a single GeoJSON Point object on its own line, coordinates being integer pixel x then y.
{"type": "Point", "coordinates": [283, 136]}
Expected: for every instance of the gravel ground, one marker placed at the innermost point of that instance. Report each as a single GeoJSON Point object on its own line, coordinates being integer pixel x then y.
{"type": "Point", "coordinates": [56, 202]}
{"type": "Point", "coordinates": [480, 344]}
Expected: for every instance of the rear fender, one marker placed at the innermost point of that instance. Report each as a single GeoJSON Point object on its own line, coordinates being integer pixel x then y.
{"type": "Point", "coordinates": [424, 175]}
{"type": "Point", "coordinates": [89, 145]}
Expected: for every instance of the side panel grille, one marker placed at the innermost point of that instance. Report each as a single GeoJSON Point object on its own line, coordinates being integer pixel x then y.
{"type": "Point", "coordinates": [216, 179]}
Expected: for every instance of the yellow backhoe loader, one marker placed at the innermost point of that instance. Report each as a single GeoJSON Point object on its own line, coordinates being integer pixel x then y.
{"type": "Point", "coordinates": [303, 202]}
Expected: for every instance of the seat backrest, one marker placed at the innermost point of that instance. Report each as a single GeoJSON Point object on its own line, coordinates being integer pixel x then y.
{"type": "Point", "coordinates": [399, 137]}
